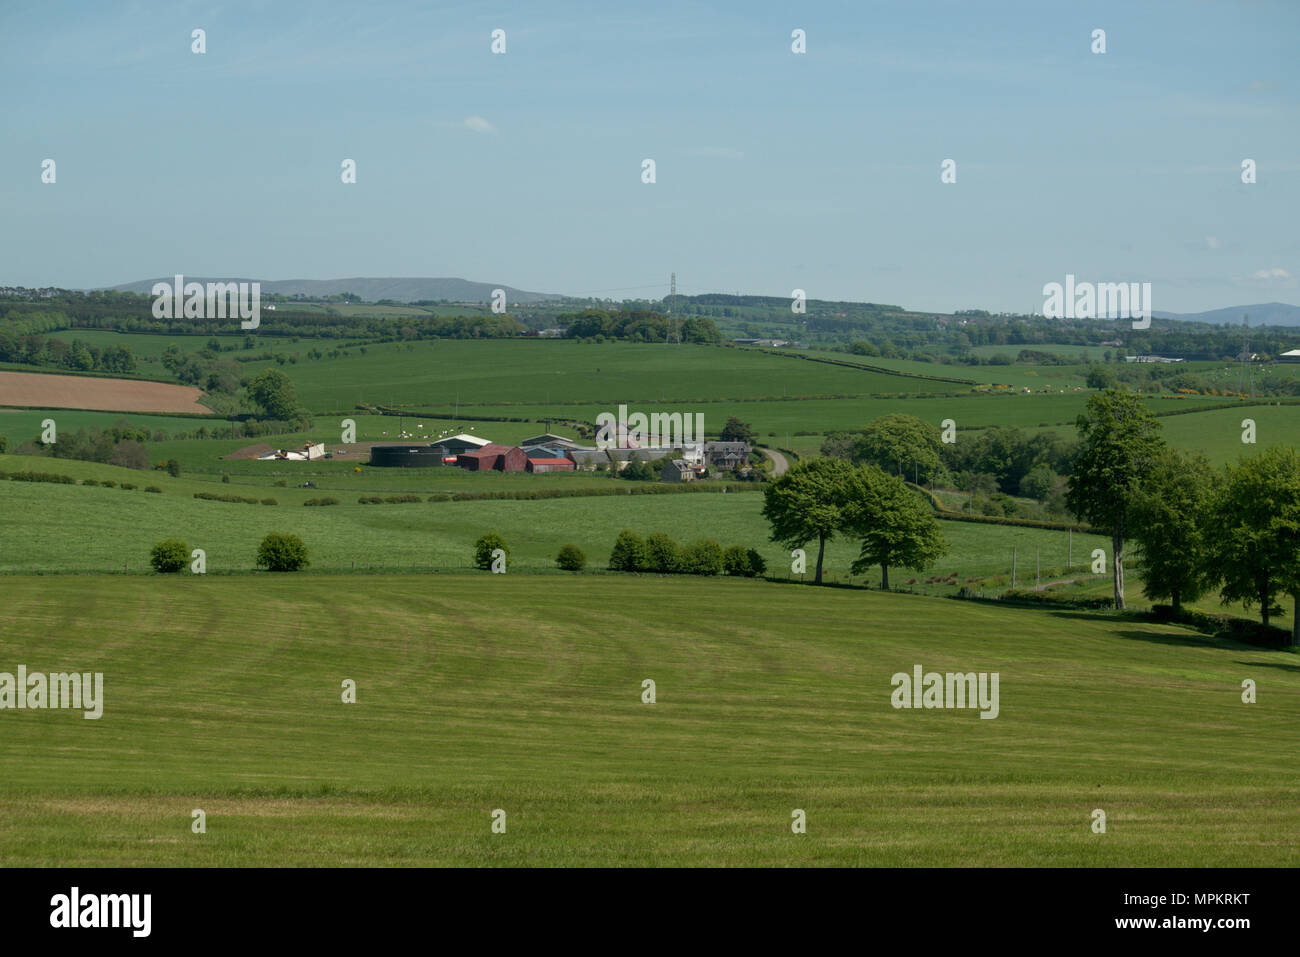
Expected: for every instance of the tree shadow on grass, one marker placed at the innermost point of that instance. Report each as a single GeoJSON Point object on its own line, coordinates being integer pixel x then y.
{"type": "Point", "coordinates": [1188, 638]}
{"type": "Point", "coordinates": [1285, 666]}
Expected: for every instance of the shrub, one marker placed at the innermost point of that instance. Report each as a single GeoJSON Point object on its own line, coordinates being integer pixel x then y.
{"type": "Point", "coordinates": [282, 552]}
{"type": "Point", "coordinates": [108, 483]}
{"type": "Point", "coordinates": [153, 488]}
{"type": "Point", "coordinates": [225, 478]}
{"type": "Point", "coordinates": [702, 557]}
{"type": "Point", "coordinates": [281, 483]}
{"type": "Point", "coordinates": [662, 554]}
{"type": "Point", "coordinates": [484, 548]}
{"type": "Point", "coordinates": [89, 482]}
{"type": "Point", "coordinates": [628, 554]}
{"type": "Point", "coordinates": [324, 500]}
{"type": "Point", "coordinates": [169, 556]}
{"type": "Point", "coordinates": [735, 561]}
{"type": "Point", "coordinates": [269, 501]}
{"type": "Point", "coordinates": [45, 477]}
{"type": "Point", "coordinates": [215, 497]}
{"type": "Point", "coordinates": [571, 558]}
{"type": "Point", "coordinates": [439, 497]}
{"type": "Point", "coordinates": [757, 564]}
{"type": "Point", "coordinates": [128, 486]}
{"type": "Point", "coordinates": [173, 468]}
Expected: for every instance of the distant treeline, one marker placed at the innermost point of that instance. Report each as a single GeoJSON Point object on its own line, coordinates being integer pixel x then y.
{"type": "Point", "coordinates": [30, 310]}
{"type": "Point", "coordinates": [636, 325]}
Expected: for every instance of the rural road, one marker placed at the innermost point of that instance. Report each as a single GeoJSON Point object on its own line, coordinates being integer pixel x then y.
{"type": "Point", "coordinates": [779, 461]}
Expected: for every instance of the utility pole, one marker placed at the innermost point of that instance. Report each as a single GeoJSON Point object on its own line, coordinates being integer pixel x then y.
{"type": "Point", "coordinates": [1247, 367]}
{"type": "Point", "coordinates": [673, 335]}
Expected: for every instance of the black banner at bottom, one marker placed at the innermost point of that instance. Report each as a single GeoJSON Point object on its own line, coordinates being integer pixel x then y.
{"type": "Point", "coordinates": [168, 906]}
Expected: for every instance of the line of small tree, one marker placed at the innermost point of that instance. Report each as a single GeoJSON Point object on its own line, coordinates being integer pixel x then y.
{"type": "Point", "coordinates": [661, 553]}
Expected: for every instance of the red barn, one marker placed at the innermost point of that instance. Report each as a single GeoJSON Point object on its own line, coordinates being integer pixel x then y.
{"type": "Point", "coordinates": [503, 458]}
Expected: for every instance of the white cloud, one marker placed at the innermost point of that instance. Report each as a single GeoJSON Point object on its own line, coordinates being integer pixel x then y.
{"type": "Point", "coordinates": [1212, 242]}
{"type": "Point", "coordinates": [479, 125]}
{"type": "Point", "coordinates": [1274, 273]}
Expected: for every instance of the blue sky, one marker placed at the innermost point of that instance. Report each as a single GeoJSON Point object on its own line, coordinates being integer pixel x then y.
{"type": "Point", "coordinates": [775, 171]}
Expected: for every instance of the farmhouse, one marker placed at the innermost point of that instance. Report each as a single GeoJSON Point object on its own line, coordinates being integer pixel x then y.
{"type": "Point", "coordinates": [677, 470]}
{"type": "Point", "coordinates": [726, 455]}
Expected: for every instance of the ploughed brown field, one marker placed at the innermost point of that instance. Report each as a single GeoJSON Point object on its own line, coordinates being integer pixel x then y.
{"type": "Point", "coordinates": [42, 391]}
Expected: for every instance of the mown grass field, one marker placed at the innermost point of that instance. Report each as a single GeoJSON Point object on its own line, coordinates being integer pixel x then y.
{"type": "Point", "coordinates": [523, 693]}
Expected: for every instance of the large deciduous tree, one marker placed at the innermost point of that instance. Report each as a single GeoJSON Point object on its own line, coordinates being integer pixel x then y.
{"type": "Point", "coordinates": [735, 430]}
{"type": "Point", "coordinates": [1169, 519]}
{"type": "Point", "coordinates": [897, 529]}
{"type": "Point", "coordinates": [806, 503]}
{"type": "Point", "coordinates": [274, 392]}
{"type": "Point", "coordinates": [1255, 532]}
{"type": "Point", "coordinates": [1120, 444]}
{"type": "Point", "coordinates": [901, 444]}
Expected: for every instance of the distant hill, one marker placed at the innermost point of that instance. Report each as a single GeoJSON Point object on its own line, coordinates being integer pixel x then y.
{"type": "Point", "coordinates": [370, 290]}
{"type": "Point", "coordinates": [1261, 314]}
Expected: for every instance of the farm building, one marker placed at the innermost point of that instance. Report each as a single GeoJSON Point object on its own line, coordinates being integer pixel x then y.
{"type": "Point", "coordinates": [693, 453]}
{"type": "Point", "coordinates": [588, 459]}
{"type": "Point", "coordinates": [1292, 356]}
{"type": "Point", "coordinates": [408, 456]}
{"type": "Point", "coordinates": [551, 441]}
{"type": "Point", "coordinates": [502, 458]}
{"type": "Point", "coordinates": [677, 470]}
{"type": "Point", "coordinates": [541, 464]}
{"type": "Point", "coordinates": [308, 452]}
{"type": "Point", "coordinates": [621, 457]}
{"type": "Point", "coordinates": [456, 444]}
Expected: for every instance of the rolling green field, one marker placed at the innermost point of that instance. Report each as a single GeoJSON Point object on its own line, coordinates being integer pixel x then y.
{"type": "Point", "coordinates": [1218, 432]}
{"type": "Point", "coordinates": [540, 372]}
{"type": "Point", "coordinates": [75, 528]}
{"type": "Point", "coordinates": [523, 693]}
